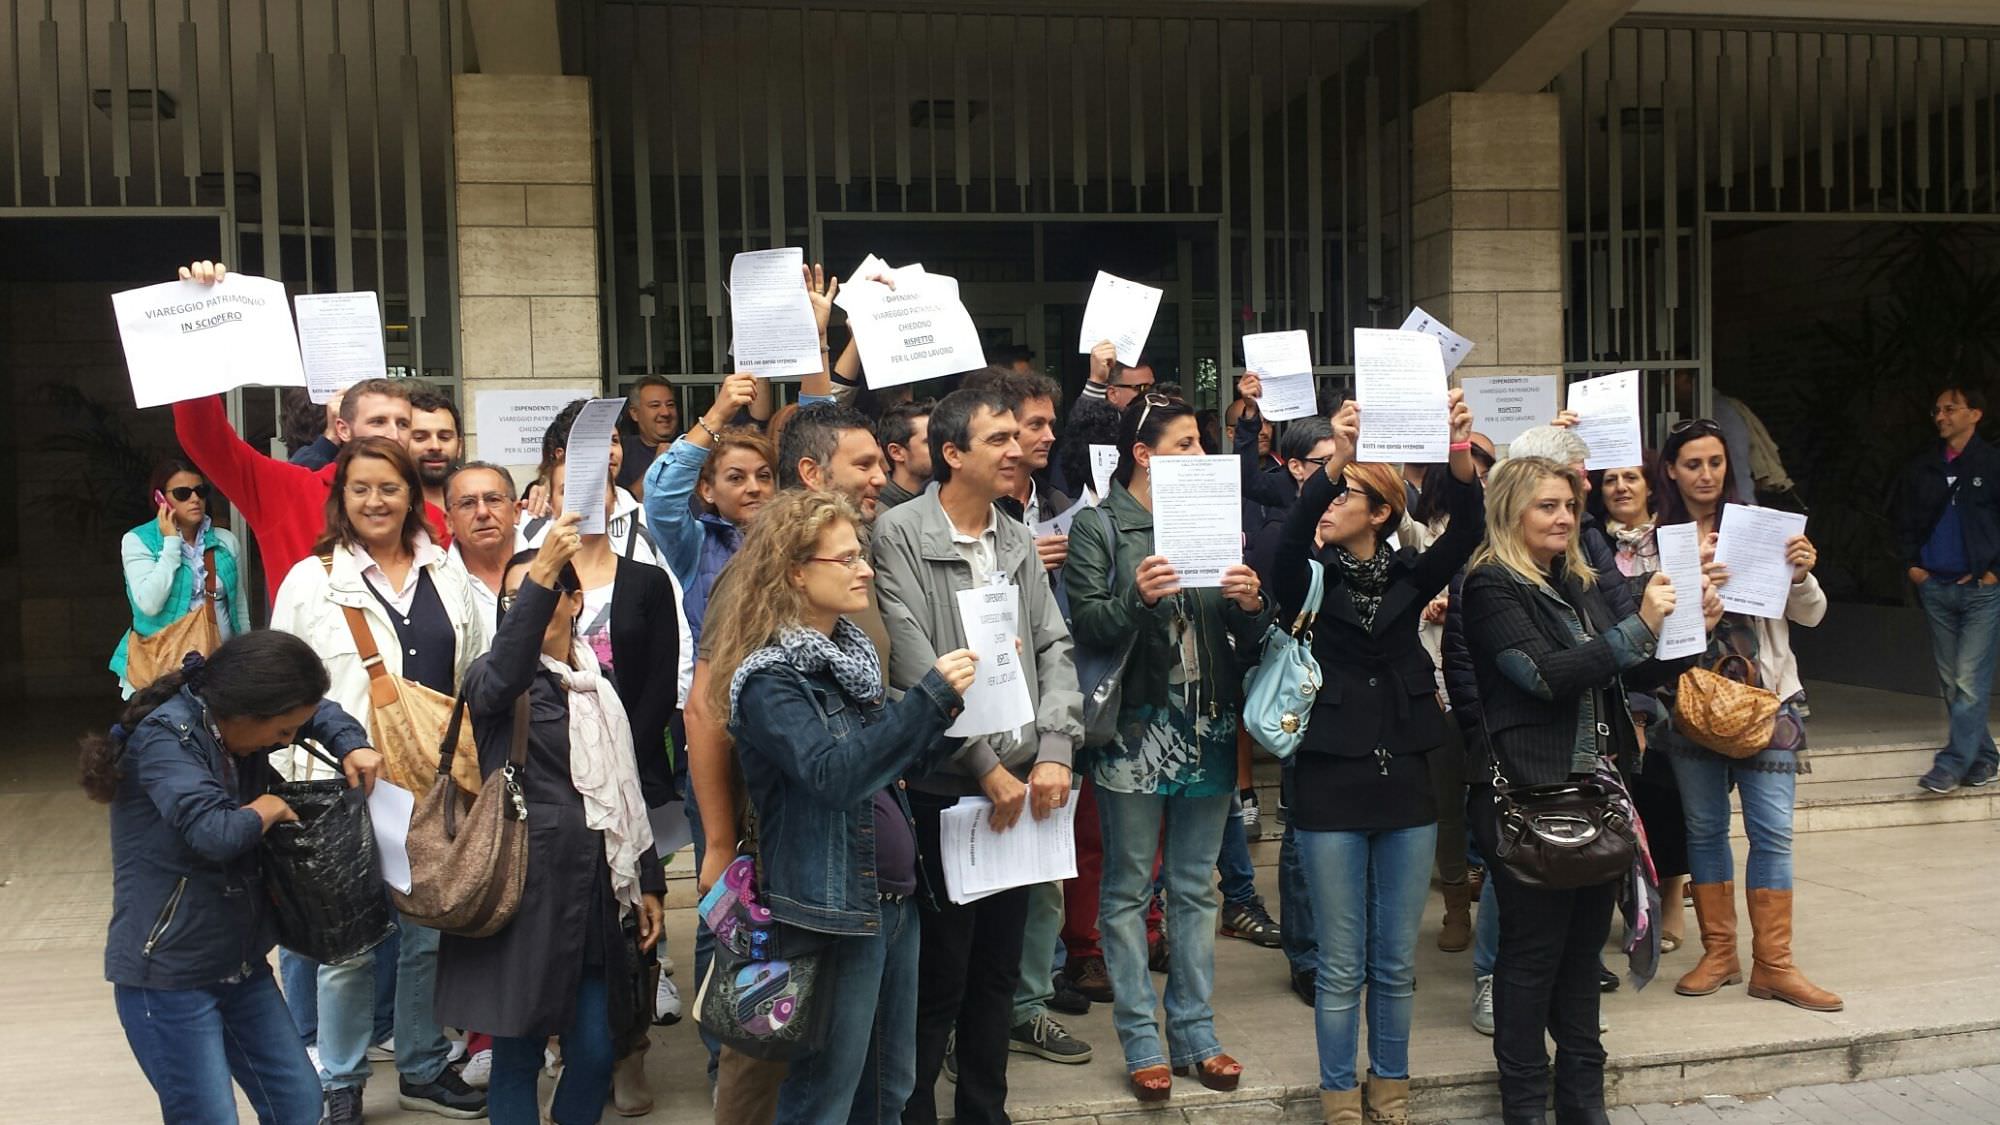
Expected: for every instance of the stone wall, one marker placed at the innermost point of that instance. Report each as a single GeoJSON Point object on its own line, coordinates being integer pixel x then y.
{"type": "Point", "coordinates": [527, 236]}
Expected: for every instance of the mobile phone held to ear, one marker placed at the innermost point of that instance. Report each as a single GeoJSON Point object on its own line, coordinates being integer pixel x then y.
{"type": "Point", "coordinates": [159, 499]}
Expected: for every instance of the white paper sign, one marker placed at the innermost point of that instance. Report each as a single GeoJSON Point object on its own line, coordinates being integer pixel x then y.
{"type": "Point", "coordinates": [1503, 406]}
{"type": "Point", "coordinates": [1751, 543]}
{"type": "Point", "coordinates": [1283, 362]}
{"type": "Point", "coordinates": [187, 340]}
{"type": "Point", "coordinates": [1120, 311]}
{"type": "Point", "coordinates": [1399, 383]}
{"type": "Point", "coordinates": [587, 462]}
{"type": "Point", "coordinates": [979, 861]}
{"type": "Point", "coordinates": [1451, 345]}
{"type": "Point", "coordinates": [1684, 633]}
{"type": "Point", "coordinates": [1607, 419]}
{"type": "Point", "coordinates": [389, 809]}
{"type": "Point", "coordinates": [917, 330]}
{"type": "Point", "coordinates": [511, 423]}
{"type": "Point", "coordinates": [340, 340]}
{"type": "Point", "coordinates": [1103, 463]}
{"type": "Point", "coordinates": [1059, 524]}
{"type": "Point", "coordinates": [772, 330]}
{"type": "Point", "coordinates": [998, 701]}
{"type": "Point", "coordinates": [1198, 516]}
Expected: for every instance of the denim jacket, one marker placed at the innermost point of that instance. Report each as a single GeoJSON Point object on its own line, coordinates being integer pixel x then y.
{"type": "Point", "coordinates": [813, 759]}
{"type": "Point", "coordinates": [188, 907]}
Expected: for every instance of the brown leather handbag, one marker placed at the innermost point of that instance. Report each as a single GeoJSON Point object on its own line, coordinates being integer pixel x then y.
{"type": "Point", "coordinates": [149, 658]}
{"type": "Point", "coordinates": [469, 855]}
{"type": "Point", "coordinates": [406, 720]}
{"type": "Point", "coordinates": [1731, 715]}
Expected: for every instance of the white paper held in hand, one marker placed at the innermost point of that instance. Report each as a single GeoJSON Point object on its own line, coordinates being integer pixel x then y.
{"type": "Point", "coordinates": [1198, 516]}
{"type": "Point", "coordinates": [772, 330]}
{"type": "Point", "coordinates": [186, 340]}
{"type": "Point", "coordinates": [1059, 524]}
{"type": "Point", "coordinates": [1399, 383]}
{"type": "Point", "coordinates": [1751, 543]}
{"type": "Point", "coordinates": [587, 462]}
{"type": "Point", "coordinates": [979, 861]}
{"type": "Point", "coordinates": [1103, 463]}
{"type": "Point", "coordinates": [1120, 311]}
{"type": "Point", "coordinates": [389, 809]}
{"type": "Point", "coordinates": [918, 329]}
{"type": "Point", "coordinates": [1607, 419]}
{"type": "Point", "coordinates": [340, 341]}
{"type": "Point", "coordinates": [1452, 346]}
{"type": "Point", "coordinates": [998, 700]}
{"type": "Point", "coordinates": [1684, 632]}
{"type": "Point", "coordinates": [1505, 406]}
{"type": "Point", "coordinates": [1283, 363]}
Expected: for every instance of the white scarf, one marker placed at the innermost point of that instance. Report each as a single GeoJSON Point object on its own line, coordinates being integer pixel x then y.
{"type": "Point", "coordinates": [602, 767]}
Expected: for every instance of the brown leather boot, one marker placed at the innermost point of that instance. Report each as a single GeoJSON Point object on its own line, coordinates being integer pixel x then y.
{"type": "Point", "coordinates": [1387, 1100]}
{"type": "Point", "coordinates": [1772, 975]}
{"type": "Point", "coordinates": [1340, 1107]}
{"type": "Point", "coordinates": [631, 1094]}
{"type": "Point", "coordinates": [1715, 909]}
{"type": "Point", "coordinates": [1456, 935]}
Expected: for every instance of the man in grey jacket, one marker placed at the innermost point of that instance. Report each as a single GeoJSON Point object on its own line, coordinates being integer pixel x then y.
{"type": "Point", "coordinates": [949, 539]}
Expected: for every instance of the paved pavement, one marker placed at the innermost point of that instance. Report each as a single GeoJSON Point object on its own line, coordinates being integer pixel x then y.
{"type": "Point", "coordinates": [1953, 1097]}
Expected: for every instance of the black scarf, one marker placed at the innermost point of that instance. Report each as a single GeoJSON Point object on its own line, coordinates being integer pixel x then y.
{"type": "Point", "coordinates": [1365, 579]}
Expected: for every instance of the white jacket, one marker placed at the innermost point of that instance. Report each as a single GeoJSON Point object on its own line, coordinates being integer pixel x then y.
{"type": "Point", "coordinates": [309, 606]}
{"type": "Point", "coordinates": [1777, 667]}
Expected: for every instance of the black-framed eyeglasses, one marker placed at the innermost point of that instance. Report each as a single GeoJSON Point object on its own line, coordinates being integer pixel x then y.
{"type": "Point", "coordinates": [182, 493]}
{"type": "Point", "coordinates": [1317, 462]}
{"type": "Point", "coordinates": [1707, 426]}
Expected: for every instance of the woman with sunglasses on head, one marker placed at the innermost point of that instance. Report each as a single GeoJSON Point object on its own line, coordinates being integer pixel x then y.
{"type": "Point", "coordinates": [167, 564]}
{"type": "Point", "coordinates": [1362, 797]}
{"type": "Point", "coordinates": [376, 559]}
{"type": "Point", "coordinates": [561, 964]}
{"type": "Point", "coordinates": [1172, 766]}
{"type": "Point", "coordinates": [1553, 663]}
{"type": "Point", "coordinates": [1623, 502]}
{"type": "Point", "coordinates": [1694, 485]}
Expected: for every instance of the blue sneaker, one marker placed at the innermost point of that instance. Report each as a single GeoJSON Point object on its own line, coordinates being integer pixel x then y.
{"type": "Point", "coordinates": [1980, 774]}
{"type": "Point", "coordinates": [1938, 780]}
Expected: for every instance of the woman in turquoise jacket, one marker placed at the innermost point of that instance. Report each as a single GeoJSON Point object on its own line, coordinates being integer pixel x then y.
{"type": "Point", "coordinates": [166, 561]}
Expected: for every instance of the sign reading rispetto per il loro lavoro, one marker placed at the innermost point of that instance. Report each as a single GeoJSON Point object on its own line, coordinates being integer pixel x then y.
{"type": "Point", "coordinates": [187, 340]}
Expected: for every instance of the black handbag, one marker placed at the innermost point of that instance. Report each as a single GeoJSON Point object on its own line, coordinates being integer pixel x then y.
{"type": "Point", "coordinates": [1563, 835]}
{"type": "Point", "coordinates": [323, 873]}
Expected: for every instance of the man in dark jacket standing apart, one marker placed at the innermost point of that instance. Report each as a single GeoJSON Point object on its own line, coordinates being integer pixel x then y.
{"type": "Point", "coordinates": [953, 538]}
{"type": "Point", "coordinates": [1948, 528]}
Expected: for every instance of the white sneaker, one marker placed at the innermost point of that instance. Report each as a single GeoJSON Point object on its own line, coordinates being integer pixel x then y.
{"type": "Point", "coordinates": [666, 1003]}
{"type": "Point", "coordinates": [1482, 1004]}
{"type": "Point", "coordinates": [1251, 816]}
{"type": "Point", "coordinates": [478, 1070]}
{"type": "Point", "coordinates": [385, 1051]}
{"type": "Point", "coordinates": [666, 964]}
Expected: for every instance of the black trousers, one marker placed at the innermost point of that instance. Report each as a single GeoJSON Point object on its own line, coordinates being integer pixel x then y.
{"type": "Point", "coordinates": [1545, 980]}
{"type": "Point", "coordinates": [968, 967]}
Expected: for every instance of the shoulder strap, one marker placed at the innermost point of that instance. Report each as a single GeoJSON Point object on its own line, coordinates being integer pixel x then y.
{"type": "Point", "coordinates": [381, 688]}
{"type": "Point", "coordinates": [1315, 594]}
{"type": "Point", "coordinates": [1110, 523]}
{"type": "Point", "coordinates": [208, 581]}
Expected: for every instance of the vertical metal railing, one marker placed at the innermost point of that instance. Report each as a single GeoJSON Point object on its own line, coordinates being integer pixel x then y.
{"type": "Point", "coordinates": [344, 106]}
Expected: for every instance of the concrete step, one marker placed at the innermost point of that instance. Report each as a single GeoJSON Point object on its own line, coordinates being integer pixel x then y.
{"type": "Point", "coordinates": [1883, 803]}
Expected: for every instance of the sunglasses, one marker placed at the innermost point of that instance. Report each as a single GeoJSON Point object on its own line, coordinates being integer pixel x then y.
{"type": "Point", "coordinates": [1704, 426]}
{"type": "Point", "coordinates": [1151, 400]}
{"type": "Point", "coordinates": [182, 493]}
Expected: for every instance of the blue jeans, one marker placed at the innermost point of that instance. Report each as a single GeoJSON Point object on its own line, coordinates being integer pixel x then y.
{"type": "Point", "coordinates": [1767, 821]}
{"type": "Point", "coordinates": [1132, 825]}
{"type": "Point", "coordinates": [347, 1012]}
{"type": "Point", "coordinates": [1965, 630]}
{"type": "Point", "coordinates": [1486, 930]}
{"type": "Point", "coordinates": [587, 1053]}
{"type": "Point", "coordinates": [1295, 910]}
{"type": "Point", "coordinates": [1239, 877]}
{"type": "Point", "coordinates": [300, 977]}
{"type": "Point", "coordinates": [868, 1067]}
{"type": "Point", "coordinates": [1041, 952]}
{"type": "Point", "coordinates": [192, 1042]}
{"type": "Point", "coordinates": [1368, 892]}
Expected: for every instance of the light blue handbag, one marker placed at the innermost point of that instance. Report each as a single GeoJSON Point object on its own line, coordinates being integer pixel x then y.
{"type": "Point", "coordinates": [1278, 694]}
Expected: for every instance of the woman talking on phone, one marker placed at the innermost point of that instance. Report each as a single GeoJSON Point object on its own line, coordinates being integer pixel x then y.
{"type": "Point", "coordinates": [186, 773]}
{"type": "Point", "coordinates": [168, 562]}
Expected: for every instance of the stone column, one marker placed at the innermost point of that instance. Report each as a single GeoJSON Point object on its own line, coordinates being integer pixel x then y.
{"type": "Point", "coordinates": [1486, 219]}
{"type": "Point", "coordinates": [527, 237]}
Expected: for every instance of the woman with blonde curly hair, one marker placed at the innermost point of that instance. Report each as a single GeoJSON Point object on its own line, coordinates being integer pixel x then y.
{"type": "Point", "coordinates": [821, 751]}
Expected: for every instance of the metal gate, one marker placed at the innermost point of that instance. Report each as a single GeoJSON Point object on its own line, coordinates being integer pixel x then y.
{"type": "Point", "coordinates": [737, 127]}
{"type": "Point", "coordinates": [321, 129]}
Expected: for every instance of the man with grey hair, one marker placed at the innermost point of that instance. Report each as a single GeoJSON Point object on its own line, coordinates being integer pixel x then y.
{"type": "Point", "coordinates": [483, 509]}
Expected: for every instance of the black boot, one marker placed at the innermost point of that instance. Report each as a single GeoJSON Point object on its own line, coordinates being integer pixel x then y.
{"type": "Point", "coordinates": [1581, 1115]}
{"type": "Point", "coordinates": [1525, 1119]}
